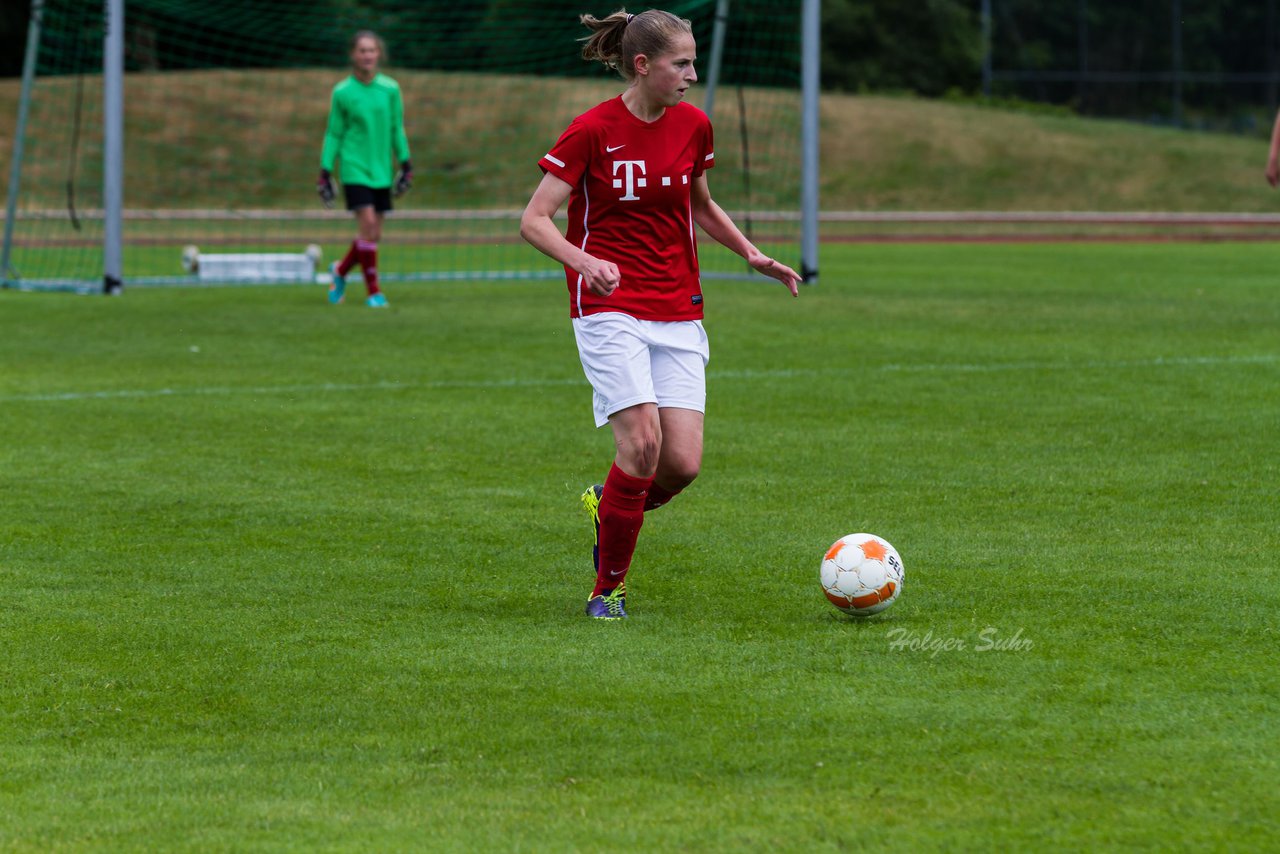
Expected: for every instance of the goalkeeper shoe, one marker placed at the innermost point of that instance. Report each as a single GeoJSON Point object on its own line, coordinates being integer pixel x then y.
{"type": "Point", "coordinates": [378, 300]}
{"type": "Point", "coordinates": [591, 501]}
{"type": "Point", "coordinates": [609, 606]}
{"type": "Point", "coordinates": [338, 289]}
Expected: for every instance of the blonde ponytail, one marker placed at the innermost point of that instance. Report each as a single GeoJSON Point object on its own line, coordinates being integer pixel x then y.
{"type": "Point", "coordinates": [617, 39]}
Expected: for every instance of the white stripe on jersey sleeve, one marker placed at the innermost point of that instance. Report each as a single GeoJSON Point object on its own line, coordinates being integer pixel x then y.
{"type": "Point", "coordinates": [711, 156]}
{"type": "Point", "coordinates": [557, 161]}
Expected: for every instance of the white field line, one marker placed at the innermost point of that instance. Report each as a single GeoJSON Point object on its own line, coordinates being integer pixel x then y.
{"type": "Point", "coordinates": [1092, 365]}
{"type": "Point", "coordinates": [550, 382]}
{"type": "Point", "coordinates": [321, 388]}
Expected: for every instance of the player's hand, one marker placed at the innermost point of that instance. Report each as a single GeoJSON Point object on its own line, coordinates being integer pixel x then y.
{"type": "Point", "coordinates": [404, 179]}
{"type": "Point", "coordinates": [326, 188]}
{"type": "Point", "coordinates": [776, 270]}
{"type": "Point", "coordinates": [1273, 171]}
{"type": "Point", "coordinates": [601, 277]}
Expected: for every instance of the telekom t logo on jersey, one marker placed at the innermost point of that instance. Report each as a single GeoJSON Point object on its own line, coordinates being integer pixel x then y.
{"type": "Point", "coordinates": [631, 180]}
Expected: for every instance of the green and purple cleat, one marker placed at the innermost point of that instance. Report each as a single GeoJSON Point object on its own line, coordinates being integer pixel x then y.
{"type": "Point", "coordinates": [609, 606]}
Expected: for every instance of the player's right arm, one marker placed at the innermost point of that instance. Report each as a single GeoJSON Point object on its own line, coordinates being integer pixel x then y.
{"type": "Point", "coordinates": [538, 227]}
{"type": "Point", "coordinates": [325, 186]}
{"type": "Point", "coordinates": [333, 134]}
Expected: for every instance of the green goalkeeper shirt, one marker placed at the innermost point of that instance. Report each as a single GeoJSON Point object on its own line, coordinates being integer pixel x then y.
{"type": "Point", "coordinates": [366, 124]}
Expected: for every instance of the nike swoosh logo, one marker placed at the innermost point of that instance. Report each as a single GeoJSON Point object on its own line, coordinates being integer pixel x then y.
{"type": "Point", "coordinates": [608, 150]}
{"type": "Point", "coordinates": [615, 573]}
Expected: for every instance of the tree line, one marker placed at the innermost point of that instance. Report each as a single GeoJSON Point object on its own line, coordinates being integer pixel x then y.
{"type": "Point", "coordinates": [1134, 57]}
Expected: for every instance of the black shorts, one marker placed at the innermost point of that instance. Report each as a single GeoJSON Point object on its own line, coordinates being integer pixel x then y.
{"type": "Point", "coordinates": [360, 196]}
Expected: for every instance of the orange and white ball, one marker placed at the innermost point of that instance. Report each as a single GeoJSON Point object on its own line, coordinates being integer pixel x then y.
{"type": "Point", "coordinates": [861, 574]}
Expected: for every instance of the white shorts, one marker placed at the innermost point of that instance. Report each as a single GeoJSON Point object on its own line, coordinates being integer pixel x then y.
{"type": "Point", "coordinates": [629, 362]}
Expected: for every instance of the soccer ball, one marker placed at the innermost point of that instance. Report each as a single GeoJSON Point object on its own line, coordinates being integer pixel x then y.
{"type": "Point", "coordinates": [191, 258]}
{"type": "Point", "coordinates": [861, 574]}
{"type": "Point", "coordinates": [314, 253]}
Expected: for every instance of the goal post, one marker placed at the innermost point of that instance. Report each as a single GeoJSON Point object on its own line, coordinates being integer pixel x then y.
{"type": "Point", "coordinates": [212, 136]}
{"type": "Point", "coordinates": [113, 148]}
{"type": "Point", "coordinates": [810, 86]}
{"type": "Point", "coordinates": [19, 135]}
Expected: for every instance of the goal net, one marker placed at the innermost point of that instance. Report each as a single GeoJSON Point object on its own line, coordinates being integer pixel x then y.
{"type": "Point", "coordinates": [225, 107]}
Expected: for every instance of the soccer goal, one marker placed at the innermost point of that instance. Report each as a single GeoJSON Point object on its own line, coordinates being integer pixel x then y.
{"type": "Point", "coordinates": [201, 124]}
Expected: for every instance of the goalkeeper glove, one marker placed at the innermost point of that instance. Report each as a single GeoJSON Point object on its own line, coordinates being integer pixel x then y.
{"type": "Point", "coordinates": [404, 178]}
{"type": "Point", "coordinates": [326, 188]}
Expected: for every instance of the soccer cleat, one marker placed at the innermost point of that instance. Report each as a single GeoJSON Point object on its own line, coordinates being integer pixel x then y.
{"type": "Point", "coordinates": [608, 606]}
{"type": "Point", "coordinates": [378, 300]}
{"type": "Point", "coordinates": [591, 501]}
{"type": "Point", "coordinates": [338, 289]}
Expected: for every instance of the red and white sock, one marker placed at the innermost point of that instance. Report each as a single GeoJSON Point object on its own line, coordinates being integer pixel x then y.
{"type": "Point", "coordinates": [349, 260]}
{"type": "Point", "coordinates": [621, 515]}
{"type": "Point", "coordinates": [658, 496]}
{"type": "Point", "coordinates": [367, 253]}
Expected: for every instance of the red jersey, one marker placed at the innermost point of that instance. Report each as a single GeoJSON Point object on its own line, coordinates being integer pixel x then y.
{"type": "Point", "coordinates": [630, 204]}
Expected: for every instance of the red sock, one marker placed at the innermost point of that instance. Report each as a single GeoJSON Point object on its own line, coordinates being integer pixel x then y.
{"type": "Point", "coordinates": [367, 252]}
{"type": "Point", "coordinates": [349, 260]}
{"type": "Point", "coordinates": [658, 495]}
{"type": "Point", "coordinates": [621, 515]}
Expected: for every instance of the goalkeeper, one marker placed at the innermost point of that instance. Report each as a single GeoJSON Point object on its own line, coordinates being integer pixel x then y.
{"type": "Point", "coordinates": [366, 128]}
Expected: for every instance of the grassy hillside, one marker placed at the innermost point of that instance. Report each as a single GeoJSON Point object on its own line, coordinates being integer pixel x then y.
{"type": "Point", "coordinates": [904, 154]}
{"type": "Point", "coordinates": [228, 139]}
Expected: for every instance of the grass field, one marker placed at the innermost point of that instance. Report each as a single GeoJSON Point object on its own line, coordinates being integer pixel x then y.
{"type": "Point", "coordinates": [279, 575]}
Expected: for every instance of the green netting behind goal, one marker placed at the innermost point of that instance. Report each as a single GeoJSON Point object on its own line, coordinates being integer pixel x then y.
{"type": "Point", "coordinates": [225, 109]}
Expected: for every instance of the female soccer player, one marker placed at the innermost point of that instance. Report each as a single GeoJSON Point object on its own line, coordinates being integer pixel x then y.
{"type": "Point", "coordinates": [366, 125]}
{"type": "Point", "coordinates": [633, 172]}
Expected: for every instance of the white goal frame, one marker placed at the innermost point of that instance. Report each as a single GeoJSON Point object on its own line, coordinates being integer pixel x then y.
{"type": "Point", "coordinates": [113, 215]}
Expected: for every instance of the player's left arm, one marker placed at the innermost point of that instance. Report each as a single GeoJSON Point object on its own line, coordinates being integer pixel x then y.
{"type": "Point", "coordinates": [712, 219]}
